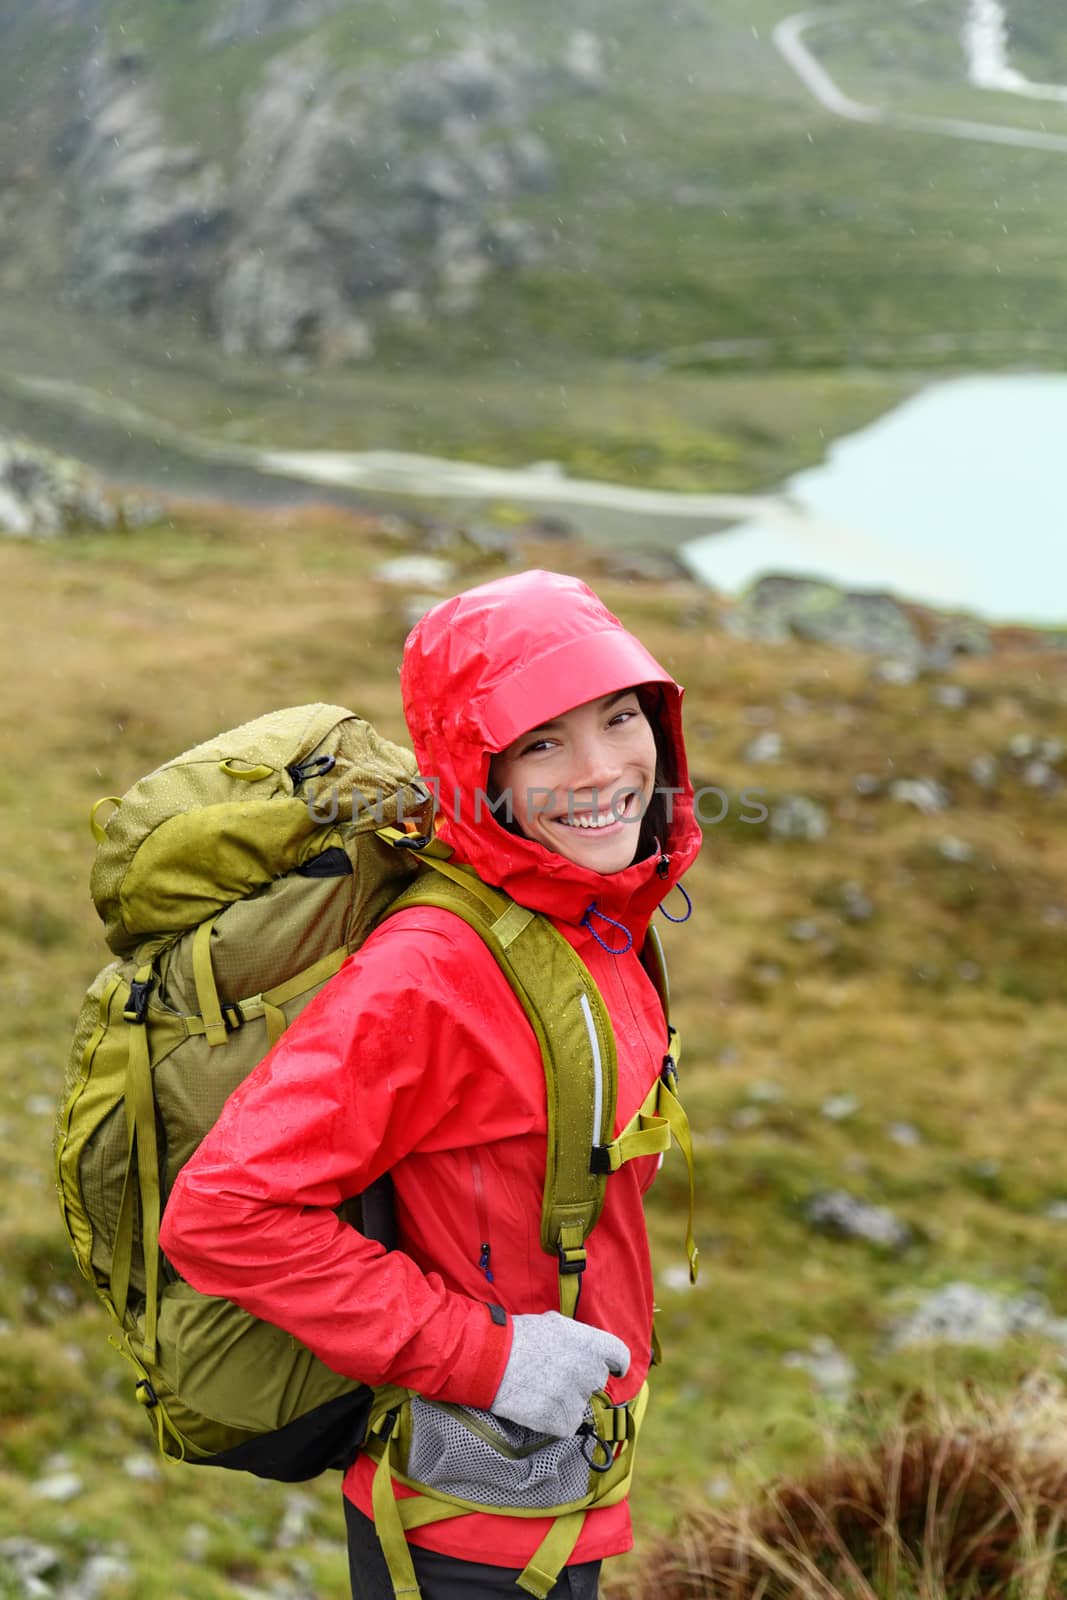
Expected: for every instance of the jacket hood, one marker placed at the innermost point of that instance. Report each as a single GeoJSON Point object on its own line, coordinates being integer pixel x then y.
{"type": "Point", "coordinates": [481, 669]}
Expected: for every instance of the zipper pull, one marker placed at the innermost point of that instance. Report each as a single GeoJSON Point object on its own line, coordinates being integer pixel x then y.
{"type": "Point", "coordinates": [663, 865]}
{"type": "Point", "coordinates": [483, 1262]}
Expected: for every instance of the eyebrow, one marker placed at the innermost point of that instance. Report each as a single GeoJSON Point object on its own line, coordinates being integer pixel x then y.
{"type": "Point", "coordinates": [605, 705]}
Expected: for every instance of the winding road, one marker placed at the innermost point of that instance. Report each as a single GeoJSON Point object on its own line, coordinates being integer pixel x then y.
{"type": "Point", "coordinates": [984, 44]}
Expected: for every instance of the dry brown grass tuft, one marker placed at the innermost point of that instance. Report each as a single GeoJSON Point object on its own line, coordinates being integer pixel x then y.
{"type": "Point", "coordinates": [942, 1508]}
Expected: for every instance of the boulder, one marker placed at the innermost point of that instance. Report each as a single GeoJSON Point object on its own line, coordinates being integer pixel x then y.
{"type": "Point", "coordinates": [840, 1214]}
{"type": "Point", "coordinates": [44, 495]}
{"type": "Point", "coordinates": [779, 607]}
{"type": "Point", "coordinates": [963, 1313]}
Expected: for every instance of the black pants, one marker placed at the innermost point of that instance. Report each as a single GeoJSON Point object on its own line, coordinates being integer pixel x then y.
{"type": "Point", "coordinates": [445, 1577]}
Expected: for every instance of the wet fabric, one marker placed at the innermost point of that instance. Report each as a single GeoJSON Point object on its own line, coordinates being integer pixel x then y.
{"type": "Point", "coordinates": [418, 1060]}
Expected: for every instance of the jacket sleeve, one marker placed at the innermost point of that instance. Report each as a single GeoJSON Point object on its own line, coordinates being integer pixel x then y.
{"type": "Point", "coordinates": [378, 1066]}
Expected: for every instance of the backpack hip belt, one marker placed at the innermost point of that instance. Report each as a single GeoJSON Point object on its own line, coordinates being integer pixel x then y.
{"type": "Point", "coordinates": [614, 1430]}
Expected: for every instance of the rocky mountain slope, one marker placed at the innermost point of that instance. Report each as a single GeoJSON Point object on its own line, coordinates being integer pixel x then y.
{"type": "Point", "coordinates": [343, 180]}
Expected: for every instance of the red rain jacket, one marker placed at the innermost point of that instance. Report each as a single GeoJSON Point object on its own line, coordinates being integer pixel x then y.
{"type": "Point", "coordinates": [418, 1060]}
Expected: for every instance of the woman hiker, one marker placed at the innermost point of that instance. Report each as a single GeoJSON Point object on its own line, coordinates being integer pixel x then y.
{"type": "Point", "coordinates": [557, 742]}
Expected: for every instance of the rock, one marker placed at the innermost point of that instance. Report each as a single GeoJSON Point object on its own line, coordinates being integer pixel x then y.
{"type": "Point", "coordinates": [296, 1520]}
{"type": "Point", "coordinates": [367, 194]}
{"type": "Point", "coordinates": [746, 1117]}
{"type": "Point", "coordinates": [953, 696]}
{"type": "Point", "coordinates": [895, 671]}
{"type": "Point", "coordinates": [856, 905]}
{"type": "Point", "coordinates": [44, 495]}
{"type": "Point", "coordinates": [1056, 1211]}
{"type": "Point", "coordinates": [804, 930]}
{"type": "Point", "coordinates": [925, 794]}
{"type": "Point", "coordinates": [984, 769]}
{"type": "Point", "coordinates": [767, 747]}
{"type": "Point", "coordinates": [252, 19]}
{"type": "Point", "coordinates": [778, 607]}
{"type": "Point", "coordinates": [766, 1093]}
{"type": "Point", "coordinates": [428, 571]}
{"type": "Point", "coordinates": [27, 1565]}
{"type": "Point", "coordinates": [904, 1133]}
{"type": "Point", "coordinates": [640, 566]}
{"type": "Point", "coordinates": [953, 849]}
{"type": "Point", "coordinates": [867, 784]}
{"type": "Point", "coordinates": [548, 526]}
{"type": "Point", "coordinates": [196, 1542]}
{"type": "Point", "coordinates": [961, 635]}
{"type": "Point", "coordinates": [1040, 775]}
{"type": "Point", "coordinates": [584, 61]}
{"type": "Point", "coordinates": [795, 816]}
{"type": "Point", "coordinates": [146, 215]}
{"type": "Point", "coordinates": [829, 1369]}
{"type": "Point", "coordinates": [676, 1278]}
{"type": "Point", "coordinates": [839, 1107]}
{"type": "Point", "coordinates": [100, 1574]}
{"type": "Point", "coordinates": [963, 1313]}
{"type": "Point", "coordinates": [142, 1469]}
{"type": "Point", "coordinates": [840, 1214]}
{"type": "Point", "coordinates": [59, 1487]}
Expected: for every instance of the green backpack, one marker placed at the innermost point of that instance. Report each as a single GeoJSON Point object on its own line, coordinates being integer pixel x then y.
{"type": "Point", "coordinates": [233, 882]}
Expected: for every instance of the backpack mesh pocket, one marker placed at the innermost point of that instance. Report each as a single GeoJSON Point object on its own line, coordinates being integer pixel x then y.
{"type": "Point", "coordinates": [478, 1456]}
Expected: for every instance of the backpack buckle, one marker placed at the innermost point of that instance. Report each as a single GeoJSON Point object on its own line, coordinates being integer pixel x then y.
{"type": "Point", "coordinates": [600, 1159]}
{"type": "Point", "coordinates": [669, 1074]}
{"type": "Point", "coordinates": [232, 1015]}
{"type": "Point", "coordinates": [137, 1007]}
{"type": "Point", "coordinates": [570, 1261]}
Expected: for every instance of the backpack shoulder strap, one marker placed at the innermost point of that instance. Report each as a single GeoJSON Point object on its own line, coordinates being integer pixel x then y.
{"type": "Point", "coordinates": [576, 1039]}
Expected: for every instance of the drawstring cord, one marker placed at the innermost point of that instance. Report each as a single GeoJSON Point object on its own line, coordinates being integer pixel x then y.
{"type": "Point", "coordinates": [612, 950]}
{"type": "Point", "coordinates": [688, 907]}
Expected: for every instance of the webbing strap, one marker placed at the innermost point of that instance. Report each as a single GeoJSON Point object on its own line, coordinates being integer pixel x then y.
{"type": "Point", "coordinates": [670, 1107]}
{"type": "Point", "coordinates": [273, 999]}
{"type": "Point", "coordinates": [207, 995]}
{"type": "Point", "coordinates": [142, 1149]}
{"type": "Point", "coordinates": [389, 1528]}
{"type": "Point", "coordinates": [541, 1572]}
{"type": "Point", "coordinates": [268, 1005]}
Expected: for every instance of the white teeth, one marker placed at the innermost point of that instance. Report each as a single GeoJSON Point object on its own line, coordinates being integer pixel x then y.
{"type": "Point", "coordinates": [603, 820]}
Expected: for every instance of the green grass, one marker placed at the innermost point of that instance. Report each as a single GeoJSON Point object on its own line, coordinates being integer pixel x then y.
{"type": "Point", "coordinates": [119, 651]}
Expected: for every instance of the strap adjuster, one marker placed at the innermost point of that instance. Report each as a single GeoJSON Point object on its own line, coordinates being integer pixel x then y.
{"type": "Point", "coordinates": [137, 1007]}
{"type": "Point", "coordinates": [571, 1261]}
{"type": "Point", "coordinates": [600, 1159]}
{"type": "Point", "coordinates": [232, 1015]}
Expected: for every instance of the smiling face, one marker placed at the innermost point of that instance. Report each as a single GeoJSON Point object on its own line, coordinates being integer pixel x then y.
{"type": "Point", "coordinates": [581, 783]}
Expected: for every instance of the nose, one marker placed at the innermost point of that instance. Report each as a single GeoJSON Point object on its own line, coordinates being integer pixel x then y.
{"type": "Point", "coordinates": [596, 766]}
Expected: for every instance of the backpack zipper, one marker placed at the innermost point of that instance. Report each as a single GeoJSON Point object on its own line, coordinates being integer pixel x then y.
{"type": "Point", "coordinates": [482, 1212]}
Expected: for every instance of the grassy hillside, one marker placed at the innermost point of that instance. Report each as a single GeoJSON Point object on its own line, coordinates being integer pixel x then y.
{"type": "Point", "coordinates": [708, 216]}
{"type": "Point", "coordinates": [940, 1007]}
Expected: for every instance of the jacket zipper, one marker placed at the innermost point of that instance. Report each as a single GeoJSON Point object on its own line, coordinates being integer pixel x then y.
{"type": "Point", "coordinates": [482, 1212]}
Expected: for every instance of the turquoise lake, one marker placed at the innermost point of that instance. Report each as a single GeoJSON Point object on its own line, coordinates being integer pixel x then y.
{"type": "Point", "coordinates": [958, 497]}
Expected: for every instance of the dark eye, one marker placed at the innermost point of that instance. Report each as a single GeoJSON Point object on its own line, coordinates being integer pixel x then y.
{"type": "Point", "coordinates": [625, 715]}
{"type": "Point", "coordinates": [538, 744]}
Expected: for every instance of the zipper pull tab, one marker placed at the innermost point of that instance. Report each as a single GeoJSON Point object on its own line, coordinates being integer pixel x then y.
{"type": "Point", "coordinates": [663, 866]}
{"type": "Point", "coordinates": [483, 1262]}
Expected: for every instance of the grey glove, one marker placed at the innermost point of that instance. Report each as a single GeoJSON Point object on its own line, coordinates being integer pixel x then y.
{"type": "Point", "coordinates": [554, 1366]}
